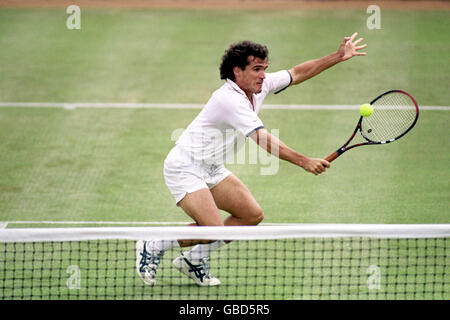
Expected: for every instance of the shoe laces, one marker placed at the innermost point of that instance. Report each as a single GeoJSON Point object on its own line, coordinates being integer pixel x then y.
{"type": "Point", "coordinates": [204, 264]}
{"type": "Point", "coordinates": [150, 261]}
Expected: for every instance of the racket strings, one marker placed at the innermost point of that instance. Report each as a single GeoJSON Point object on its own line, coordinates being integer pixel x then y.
{"type": "Point", "coordinates": [393, 115]}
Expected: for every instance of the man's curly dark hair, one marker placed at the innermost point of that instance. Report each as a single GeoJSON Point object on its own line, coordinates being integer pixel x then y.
{"type": "Point", "coordinates": [237, 56]}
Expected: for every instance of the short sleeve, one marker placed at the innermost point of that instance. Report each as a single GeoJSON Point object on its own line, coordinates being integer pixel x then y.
{"type": "Point", "coordinates": [277, 81]}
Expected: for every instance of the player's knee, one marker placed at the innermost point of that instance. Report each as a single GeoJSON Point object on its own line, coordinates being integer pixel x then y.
{"type": "Point", "coordinates": [256, 216]}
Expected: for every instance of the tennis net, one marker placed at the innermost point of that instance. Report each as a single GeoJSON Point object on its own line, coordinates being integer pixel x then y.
{"type": "Point", "coordinates": [266, 262]}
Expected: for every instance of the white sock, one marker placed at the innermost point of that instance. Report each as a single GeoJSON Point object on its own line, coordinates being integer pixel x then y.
{"type": "Point", "coordinates": [200, 251]}
{"type": "Point", "coordinates": [160, 245]}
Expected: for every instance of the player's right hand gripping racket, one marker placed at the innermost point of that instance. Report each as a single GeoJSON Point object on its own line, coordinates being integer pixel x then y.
{"type": "Point", "coordinates": [394, 114]}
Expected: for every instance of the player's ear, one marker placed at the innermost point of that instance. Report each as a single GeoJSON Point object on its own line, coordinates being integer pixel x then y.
{"type": "Point", "coordinates": [237, 72]}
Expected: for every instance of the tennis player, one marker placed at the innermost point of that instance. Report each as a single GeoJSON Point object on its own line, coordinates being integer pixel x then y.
{"type": "Point", "coordinates": [194, 169]}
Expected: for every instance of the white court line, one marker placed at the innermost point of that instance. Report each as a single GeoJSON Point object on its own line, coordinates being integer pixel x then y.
{"type": "Point", "coordinates": [74, 105]}
{"type": "Point", "coordinates": [4, 224]}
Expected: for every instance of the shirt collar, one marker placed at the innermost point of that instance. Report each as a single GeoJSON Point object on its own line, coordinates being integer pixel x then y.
{"type": "Point", "coordinates": [233, 85]}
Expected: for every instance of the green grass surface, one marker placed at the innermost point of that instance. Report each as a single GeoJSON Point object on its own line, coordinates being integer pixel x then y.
{"type": "Point", "coordinates": [106, 164]}
{"type": "Point", "coordinates": [173, 55]}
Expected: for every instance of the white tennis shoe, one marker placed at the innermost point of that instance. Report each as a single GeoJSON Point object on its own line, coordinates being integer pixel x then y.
{"type": "Point", "coordinates": [197, 272]}
{"type": "Point", "coordinates": [147, 263]}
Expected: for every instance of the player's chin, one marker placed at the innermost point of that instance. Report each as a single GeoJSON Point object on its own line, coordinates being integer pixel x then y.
{"type": "Point", "coordinates": [258, 88]}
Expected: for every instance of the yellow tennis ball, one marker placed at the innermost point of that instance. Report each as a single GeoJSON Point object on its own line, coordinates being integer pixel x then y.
{"type": "Point", "coordinates": [366, 109]}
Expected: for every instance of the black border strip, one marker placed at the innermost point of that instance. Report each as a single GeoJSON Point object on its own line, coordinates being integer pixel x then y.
{"type": "Point", "coordinates": [290, 76]}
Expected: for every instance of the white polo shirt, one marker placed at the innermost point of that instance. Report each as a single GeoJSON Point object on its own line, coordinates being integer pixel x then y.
{"type": "Point", "coordinates": [220, 129]}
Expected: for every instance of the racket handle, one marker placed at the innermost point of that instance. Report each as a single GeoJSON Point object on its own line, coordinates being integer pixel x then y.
{"type": "Point", "coordinates": [332, 156]}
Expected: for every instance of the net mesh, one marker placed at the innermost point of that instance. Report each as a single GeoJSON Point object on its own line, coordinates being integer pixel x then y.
{"type": "Point", "coordinates": [393, 114]}
{"type": "Point", "coordinates": [355, 267]}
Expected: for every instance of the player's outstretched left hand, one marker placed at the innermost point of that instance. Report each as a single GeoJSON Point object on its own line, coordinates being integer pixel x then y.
{"type": "Point", "coordinates": [349, 47]}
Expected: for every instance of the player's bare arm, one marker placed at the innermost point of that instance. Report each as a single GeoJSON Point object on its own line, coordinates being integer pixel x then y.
{"type": "Point", "coordinates": [347, 49]}
{"type": "Point", "coordinates": [276, 147]}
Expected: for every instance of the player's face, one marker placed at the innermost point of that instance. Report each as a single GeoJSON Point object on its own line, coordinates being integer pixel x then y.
{"type": "Point", "coordinates": [251, 79]}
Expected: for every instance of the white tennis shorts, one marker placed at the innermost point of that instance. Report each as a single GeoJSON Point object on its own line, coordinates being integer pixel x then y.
{"type": "Point", "coordinates": [184, 175]}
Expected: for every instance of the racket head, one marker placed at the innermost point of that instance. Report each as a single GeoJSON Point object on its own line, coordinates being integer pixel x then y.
{"type": "Point", "coordinates": [395, 112]}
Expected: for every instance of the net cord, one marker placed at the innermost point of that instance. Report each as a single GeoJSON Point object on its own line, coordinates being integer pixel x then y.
{"type": "Point", "coordinates": [391, 231]}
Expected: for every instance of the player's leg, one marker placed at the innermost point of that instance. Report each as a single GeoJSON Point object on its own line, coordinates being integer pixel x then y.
{"type": "Point", "coordinates": [200, 206]}
{"type": "Point", "coordinates": [232, 196]}
{"type": "Point", "coordinates": [191, 193]}
{"type": "Point", "coordinates": [184, 178]}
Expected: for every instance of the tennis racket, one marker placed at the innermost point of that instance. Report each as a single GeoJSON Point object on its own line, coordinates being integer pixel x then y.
{"type": "Point", "coordinates": [394, 114]}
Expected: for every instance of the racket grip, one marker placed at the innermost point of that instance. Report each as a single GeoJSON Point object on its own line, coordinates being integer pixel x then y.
{"type": "Point", "coordinates": [332, 156]}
